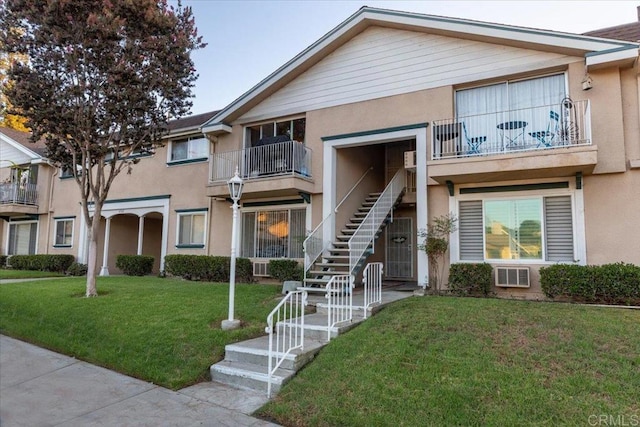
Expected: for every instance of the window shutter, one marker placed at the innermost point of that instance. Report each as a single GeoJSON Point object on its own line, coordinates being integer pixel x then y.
{"type": "Point", "coordinates": [559, 228]}
{"type": "Point", "coordinates": [470, 226]}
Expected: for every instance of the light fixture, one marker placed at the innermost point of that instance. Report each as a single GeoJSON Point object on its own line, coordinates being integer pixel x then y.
{"type": "Point", "coordinates": [235, 191]}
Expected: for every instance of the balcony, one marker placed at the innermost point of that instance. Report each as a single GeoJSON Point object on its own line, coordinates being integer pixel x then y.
{"type": "Point", "coordinates": [18, 199]}
{"type": "Point", "coordinates": [518, 144]}
{"type": "Point", "coordinates": [282, 168]}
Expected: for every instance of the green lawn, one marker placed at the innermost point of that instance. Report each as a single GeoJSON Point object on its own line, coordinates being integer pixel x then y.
{"type": "Point", "coordinates": [26, 274]}
{"type": "Point", "coordinates": [166, 331]}
{"type": "Point", "coordinates": [464, 361]}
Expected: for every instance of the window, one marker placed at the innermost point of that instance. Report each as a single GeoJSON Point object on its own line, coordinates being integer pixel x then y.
{"type": "Point", "coordinates": [273, 233]}
{"type": "Point", "coordinates": [293, 129]}
{"type": "Point", "coordinates": [534, 228]}
{"type": "Point", "coordinates": [22, 238]}
{"type": "Point", "coordinates": [189, 149]}
{"type": "Point", "coordinates": [191, 229]}
{"type": "Point", "coordinates": [64, 232]}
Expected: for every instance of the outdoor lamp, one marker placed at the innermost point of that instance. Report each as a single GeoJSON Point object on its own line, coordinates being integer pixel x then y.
{"type": "Point", "coordinates": [235, 191]}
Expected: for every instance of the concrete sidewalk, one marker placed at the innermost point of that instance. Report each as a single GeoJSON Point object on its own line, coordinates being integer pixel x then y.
{"type": "Point", "coordinates": [41, 388]}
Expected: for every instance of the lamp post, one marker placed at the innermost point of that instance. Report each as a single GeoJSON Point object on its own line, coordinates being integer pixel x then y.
{"type": "Point", "coordinates": [235, 191]}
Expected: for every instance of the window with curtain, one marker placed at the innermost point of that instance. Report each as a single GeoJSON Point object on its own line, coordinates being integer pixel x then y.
{"type": "Point", "coordinates": [190, 149]}
{"type": "Point", "coordinates": [22, 238]}
{"type": "Point", "coordinates": [191, 229]}
{"type": "Point", "coordinates": [529, 101]}
{"type": "Point", "coordinates": [273, 233]}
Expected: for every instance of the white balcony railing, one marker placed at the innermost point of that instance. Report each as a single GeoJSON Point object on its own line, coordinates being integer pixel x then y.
{"type": "Point", "coordinates": [553, 126]}
{"type": "Point", "coordinates": [19, 194]}
{"type": "Point", "coordinates": [282, 158]}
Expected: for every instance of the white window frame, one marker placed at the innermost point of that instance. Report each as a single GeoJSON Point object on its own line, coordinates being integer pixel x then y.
{"type": "Point", "coordinates": [271, 208]}
{"type": "Point", "coordinates": [577, 215]}
{"type": "Point", "coordinates": [55, 232]}
{"type": "Point", "coordinates": [19, 222]}
{"type": "Point", "coordinates": [189, 212]}
{"type": "Point", "coordinates": [188, 159]}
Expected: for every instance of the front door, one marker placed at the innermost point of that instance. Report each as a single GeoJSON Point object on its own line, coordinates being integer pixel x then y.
{"type": "Point", "coordinates": [399, 249]}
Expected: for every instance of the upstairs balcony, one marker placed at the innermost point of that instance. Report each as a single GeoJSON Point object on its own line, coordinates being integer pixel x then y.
{"type": "Point", "coordinates": [273, 169]}
{"type": "Point", "coordinates": [18, 199]}
{"type": "Point", "coordinates": [518, 144]}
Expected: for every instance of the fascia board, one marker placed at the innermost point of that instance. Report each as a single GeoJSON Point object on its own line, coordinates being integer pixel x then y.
{"type": "Point", "coordinates": [612, 57]}
{"type": "Point", "coordinates": [20, 147]}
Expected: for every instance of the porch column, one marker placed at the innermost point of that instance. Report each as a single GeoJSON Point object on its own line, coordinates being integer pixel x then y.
{"type": "Point", "coordinates": [140, 233]}
{"type": "Point", "coordinates": [165, 234]}
{"type": "Point", "coordinates": [105, 254]}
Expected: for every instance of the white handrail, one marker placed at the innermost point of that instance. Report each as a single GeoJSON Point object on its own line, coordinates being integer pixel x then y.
{"type": "Point", "coordinates": [339, 301]}
{"type": "Point", "coordinates": [285, 326]}
{"type": "Point", "coordinates": [372, 278]}
{"type": "Point", "coordinates": [364, 235]}
{"type": "Point", "coordinates": [315, 244]}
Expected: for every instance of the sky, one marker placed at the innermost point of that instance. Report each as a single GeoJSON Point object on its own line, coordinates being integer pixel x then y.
{"type": "Point", "coordinates": [248, 40]}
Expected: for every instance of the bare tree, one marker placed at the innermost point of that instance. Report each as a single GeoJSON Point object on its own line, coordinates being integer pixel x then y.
{"type": "Point", "coordinates": [103, 78]}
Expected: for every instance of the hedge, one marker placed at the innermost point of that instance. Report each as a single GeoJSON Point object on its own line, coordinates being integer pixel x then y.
{"type": "Point", "coordinates": [56, 263]}
{"type": "Point", "coordinates": [285, 269]}
{"type": "Point", "coordinates": [608, 284]}
{"type": "Point", "coordinates": [3, 261]}
{"type": "Point", "coordinates": [135, 265]}
{"type": "Point", "coordinates": [208, 268]}
{"type": "Point", "coordinates": [77, 269]}
{"type": "Point", "coordinates": [470, 279]}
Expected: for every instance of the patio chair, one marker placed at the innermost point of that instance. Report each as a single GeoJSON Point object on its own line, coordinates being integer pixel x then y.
{"type": "Point", "coordinates": [473, 142]}
{"type": "Point", "coordinates": [547, 137]}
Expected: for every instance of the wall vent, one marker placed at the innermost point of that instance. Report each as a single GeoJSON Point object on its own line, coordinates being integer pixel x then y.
{"type": "Point", "coordinates": [409, 159]}
{"type": "Point", "coordinates": [512, 277]}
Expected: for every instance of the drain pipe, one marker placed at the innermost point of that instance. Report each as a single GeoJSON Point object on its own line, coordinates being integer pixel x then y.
{"type": "Point", "coordinates": [49, 203]}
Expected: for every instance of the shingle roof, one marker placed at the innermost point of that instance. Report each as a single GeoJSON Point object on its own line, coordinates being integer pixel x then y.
{"type": "Point", "coordinates": [194, 121]}
{"type": "Point", "coordinates": [23, 139]}
{"type": "Point", "coordinates": [628, 32]}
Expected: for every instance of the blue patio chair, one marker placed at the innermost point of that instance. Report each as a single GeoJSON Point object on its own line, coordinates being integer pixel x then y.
{"type": "Point", "coordinates": [473, 142]}
{"type": "Point", "coordinates": [546, 137]}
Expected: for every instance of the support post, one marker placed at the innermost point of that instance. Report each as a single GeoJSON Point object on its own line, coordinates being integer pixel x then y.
{"type": "Point", "coordinates": [104, 271]}
{"type": "Point", "coordinates": [140, 234]}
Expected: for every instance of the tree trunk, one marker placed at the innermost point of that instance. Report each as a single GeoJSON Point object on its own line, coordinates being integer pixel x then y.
{"type": "Point", "coordinates": [92, 261]}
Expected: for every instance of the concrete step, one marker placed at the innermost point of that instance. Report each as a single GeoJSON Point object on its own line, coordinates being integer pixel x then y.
{"type": "Point", "coordinates": [256, 352]}
{"type": "Point", "coordinates": [249, 376]}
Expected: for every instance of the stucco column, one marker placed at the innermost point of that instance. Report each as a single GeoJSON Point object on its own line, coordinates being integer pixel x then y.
{"type": "Point", "coordinates": [105, 254]}
{"type": "Point", "coordinates": [140, 233]}
{"type": "Point", "coordinates": [422, 215]}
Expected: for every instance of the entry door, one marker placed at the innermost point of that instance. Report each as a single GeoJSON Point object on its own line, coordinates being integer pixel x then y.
{"type": "Point", "coordinates": [399, 248]}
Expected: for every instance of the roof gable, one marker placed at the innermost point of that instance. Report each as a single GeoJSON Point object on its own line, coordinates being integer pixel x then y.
{"type": "Point", "coordinates": [15, 147]}
{"type": "Point", "coordinates": [561, 43]}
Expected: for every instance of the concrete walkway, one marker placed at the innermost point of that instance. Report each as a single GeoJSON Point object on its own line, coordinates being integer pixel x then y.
{"type": "Point", "coordinates": [41, 388]}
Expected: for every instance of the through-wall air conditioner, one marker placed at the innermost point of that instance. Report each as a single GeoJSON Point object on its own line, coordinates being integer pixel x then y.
{"type": "Point", "coordinates": [261, 268]}
{"type": "Point", "coordinates": [409, 159]}
{"type": "Point", "coordinates": [512, 277]}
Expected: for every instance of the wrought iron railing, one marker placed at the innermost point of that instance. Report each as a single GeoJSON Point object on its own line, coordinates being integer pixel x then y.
{"type": "Point", "coordinates": [552, 126]}
{"type": "Point", "coordinates": [362, 239]}
{"type": "Point", "coordinates": [20, 194]}
{"type": "Point", "coordinates": [372, 280]}
{"type": "Point", "coordinates": [282, 158]}
{"type": "Point", "coordinates": [285, 327]}
{"type": "Point", "coordinates": [339, 301]}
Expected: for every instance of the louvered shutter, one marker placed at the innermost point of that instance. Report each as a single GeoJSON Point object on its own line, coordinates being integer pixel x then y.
{"type": "Point", "coordinates": [559, 228]}
{"type": "Point", "coordinates": [471, 226]}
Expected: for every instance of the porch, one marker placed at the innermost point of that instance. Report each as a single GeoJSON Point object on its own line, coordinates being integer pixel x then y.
{"type": "Point", "coordinates": [280, 168]}
{"type": "Point", "coordinates": [18, 199]}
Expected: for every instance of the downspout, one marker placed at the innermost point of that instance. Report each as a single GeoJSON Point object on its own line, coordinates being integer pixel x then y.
{"type": "Point", "coordinates": [49, 208]}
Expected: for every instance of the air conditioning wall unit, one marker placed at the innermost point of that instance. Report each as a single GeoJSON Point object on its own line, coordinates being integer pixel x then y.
{"type": "Point", "coordinates": [261, 268]}
{"type": "Point", "coordinates": [409, 159]}
{"type": "Point", "coordinates": [513, 277]}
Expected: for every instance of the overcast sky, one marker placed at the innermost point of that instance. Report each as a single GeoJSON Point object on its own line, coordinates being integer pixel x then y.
{"type": "Point", "coordinates": [248, 40]}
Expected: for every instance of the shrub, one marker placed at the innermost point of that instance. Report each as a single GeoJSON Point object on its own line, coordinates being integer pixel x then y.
{"type": "Point", "coordinates": [610, 283]}
{"type": "Point", "coordinates": [3, 261]}
{"type": "Point", "coordinates": [470, 279]}
{"type": "Point", "coordinates": [208, 268]}
{"type": "Point", "coordinates": [77, 269]}
{"type": "Point", "coordinates": [285, 269]}
{"type": "Point", "coordinates": [55, 263]}
{"type": "Point", "coordinates": [135, 265]}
